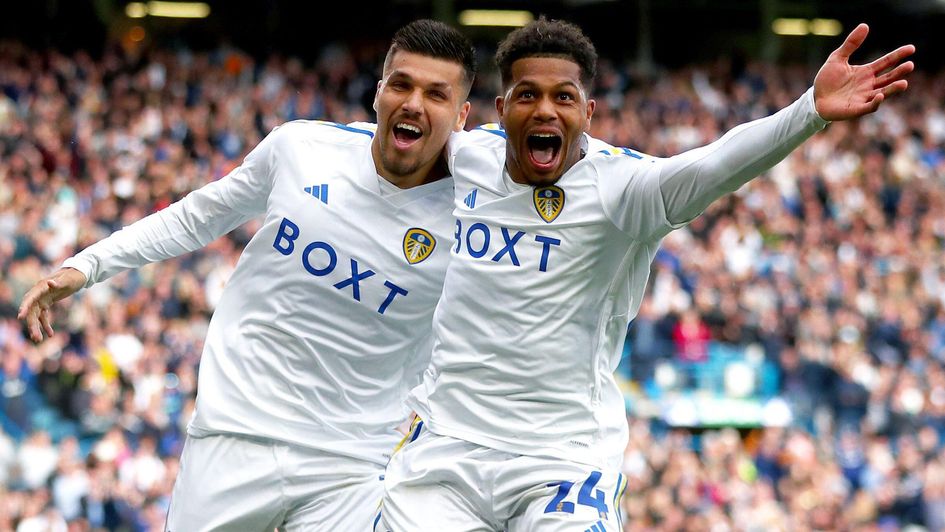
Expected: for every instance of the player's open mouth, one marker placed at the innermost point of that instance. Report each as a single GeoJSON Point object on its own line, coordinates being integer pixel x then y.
{"type": "Point", "coordinates": [406, 134]}
{"type": "Point", "coordinates": [543, 149]}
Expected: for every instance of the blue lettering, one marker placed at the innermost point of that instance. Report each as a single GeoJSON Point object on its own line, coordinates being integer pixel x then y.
{"type": "Point", "coordinates": [394, 292]}
{"type": "Point", "coordinates": [458, 235]}
{"type": "Point", "coordinates": [354, 280]}
{"type": "Point", "coordinates": [332, 259]}
{"type": "Point", "coordinates": [288, 233]}
{"type": "Point", "coordinates": [285, 236]}
{"type": "Point", "coordinates": [485, 239]}
{"type": "Point", "coordinates": [546, 243]}
{"type": "Point", "coordinates": [509, 246]}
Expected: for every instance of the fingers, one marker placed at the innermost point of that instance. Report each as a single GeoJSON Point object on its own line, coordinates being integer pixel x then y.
{"type": "Point", "coordinates": [893, 75]}
{"type": "Point", "coordinates": [892, 58]}
{"type": "Point", "coordinates": [895, 88]}
{"type": "Point", "coordinates": [24, 309]}
{"type": "Point", "coordinates": [874, 104]}
{"type": "Point", "coordinates": [31, 299]}
{"type": "Point", "coordinates": [36, 318]}
{"type": "Point", "coordinates": [852, 42]}
{"type": "Point", "coordinates": [31, 319]}
{"type": "Point", "coordinates": [45, 319]}
{"type": "Point", "coordinates": [880, 96]}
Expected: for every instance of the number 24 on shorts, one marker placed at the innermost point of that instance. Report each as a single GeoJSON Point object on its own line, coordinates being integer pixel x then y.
{"type": "Point", "coordinates": [558, 503]}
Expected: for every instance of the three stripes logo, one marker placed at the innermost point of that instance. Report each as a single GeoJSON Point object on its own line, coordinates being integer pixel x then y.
{"type": "Point", "coordinates": [470, 200]}
{"type": "Point", "coordinates": [597, 527]}
{"type": "Point", "coordinates": [319, 192]}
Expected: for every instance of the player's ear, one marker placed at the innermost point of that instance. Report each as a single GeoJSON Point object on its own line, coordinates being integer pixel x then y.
{"type": "Point", "coordinates": [591, 105]}
{"type": "Point", "coordinates": [499, 108]}
{"type": "Point", "coordinates": [463, 115]}
{"type": "Point", "coordinates": [377, 93]}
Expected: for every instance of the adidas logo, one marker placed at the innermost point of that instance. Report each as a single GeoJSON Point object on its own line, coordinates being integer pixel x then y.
{"type": "Point", "coordinates": [318, 192]}
{"type": "Point", "coordinates": [470, 200]}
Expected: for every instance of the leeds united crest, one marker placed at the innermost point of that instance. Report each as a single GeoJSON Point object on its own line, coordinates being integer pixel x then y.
{"type": "Point", "coordinates": [418, 245]}
{"type": "Point", "coordinates": [549, 201]}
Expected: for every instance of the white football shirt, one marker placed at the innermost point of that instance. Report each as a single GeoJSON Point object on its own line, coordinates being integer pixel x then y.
{"type": "Point", "coordinates": [324, 325]}
{"type": "Point", "coordinates": [544, 281]}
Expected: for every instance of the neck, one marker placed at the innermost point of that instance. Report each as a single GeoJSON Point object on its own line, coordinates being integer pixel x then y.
{"type": "Point", "coordinates": [428, 173]}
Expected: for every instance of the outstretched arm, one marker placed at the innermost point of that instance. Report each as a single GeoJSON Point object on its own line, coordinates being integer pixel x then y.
{"type": "Point", "coordinates": [185, 226]}
{"type": "Point", "coordinates": [691, 181]}
{"type": "Point", "coordinates": [189, 224]}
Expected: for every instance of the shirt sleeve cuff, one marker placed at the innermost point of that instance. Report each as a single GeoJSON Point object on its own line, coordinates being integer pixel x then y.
{"type": "Point", "coordinates": [83, 266]}
{"type": "Point", "coordinates": [817, 119]}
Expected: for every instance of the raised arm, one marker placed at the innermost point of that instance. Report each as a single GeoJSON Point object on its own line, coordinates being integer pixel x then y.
{"type": "Point", "coordinates": [691, 181]}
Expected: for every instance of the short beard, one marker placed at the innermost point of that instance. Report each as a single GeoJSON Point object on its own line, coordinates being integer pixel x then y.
{"type": "Point", "coordinates": [398, 167]}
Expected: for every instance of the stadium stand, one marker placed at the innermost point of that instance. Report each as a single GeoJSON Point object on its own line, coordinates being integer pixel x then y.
{"type": "Point", "coordinates": [787, 371]}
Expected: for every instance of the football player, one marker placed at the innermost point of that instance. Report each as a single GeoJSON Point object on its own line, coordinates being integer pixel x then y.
{"type": "Point", "coordinates": [325, 323]}
{"type": "Point", "coordinates": [521, 424]}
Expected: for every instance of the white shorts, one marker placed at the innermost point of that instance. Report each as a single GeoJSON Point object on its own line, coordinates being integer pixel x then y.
{"type": "Point", "coordinates": [230, 483]}
{"type": "Point", "coordinates": [444, 484]}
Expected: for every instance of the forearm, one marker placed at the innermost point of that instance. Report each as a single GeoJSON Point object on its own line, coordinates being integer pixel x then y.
{"type": "Point", "coordinates": [189, 224]}
{"type": "Point", "coordinates": [689, 182]}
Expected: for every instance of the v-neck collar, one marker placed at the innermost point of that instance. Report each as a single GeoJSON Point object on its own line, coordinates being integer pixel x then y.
{"type": "Point", "coordinates": [368, 178]}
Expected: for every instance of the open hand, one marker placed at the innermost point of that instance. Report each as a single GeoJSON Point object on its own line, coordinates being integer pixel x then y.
{"type": "Point", "coordinates": [843, 91]}
{"type": "Point", "coordinates": [35, 310]}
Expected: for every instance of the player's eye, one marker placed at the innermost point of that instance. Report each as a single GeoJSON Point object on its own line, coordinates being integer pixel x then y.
{"type": "Point", "coordinates": [439, 96]}
{"type": "Point", "coordinates": [527, 94]}
{"type": "Point", "coordinates": [398, 85]}
{"type": "Point", "coordinates": [566, 97]}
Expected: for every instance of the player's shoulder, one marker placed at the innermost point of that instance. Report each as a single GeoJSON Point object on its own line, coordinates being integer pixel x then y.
{"type": "Point", "coordinates": [354, 133]}
{"type": "Point", "coordinates": [605, 156]}
{"type": "Point", "coordinates": [598, 150]}
{"type": "Point", "coordinates": [488, 136]}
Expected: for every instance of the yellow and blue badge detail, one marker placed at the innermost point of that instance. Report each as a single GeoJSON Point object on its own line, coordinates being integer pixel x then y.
{"type": "Point", "coordinates": [418, 245]}
{"type": "Point", "coordinates": [549, 201]}
{"type": "Point", "coordinates": [621, 151]}
{"type": "Point", "coordinates": [493, 128]}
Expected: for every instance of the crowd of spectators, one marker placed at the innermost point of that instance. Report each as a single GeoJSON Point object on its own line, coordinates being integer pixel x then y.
{"type": "Point", "coordinates": [833, 265]}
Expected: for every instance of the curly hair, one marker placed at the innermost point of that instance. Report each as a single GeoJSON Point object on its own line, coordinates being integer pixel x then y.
{"type": "Point", "coordinates": [548, 38]}
{"type": "Point", "coordinates": [438, 40]}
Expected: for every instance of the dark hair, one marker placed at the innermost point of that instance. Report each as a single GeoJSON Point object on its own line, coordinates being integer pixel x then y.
{"type": "Point", "coordinates": [548, 38]}
{"type": "Point", "coordinates": [435, 39]}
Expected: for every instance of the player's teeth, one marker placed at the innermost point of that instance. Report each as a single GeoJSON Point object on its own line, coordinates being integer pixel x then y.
{"type": "Point", "coordinates": [409, 127]}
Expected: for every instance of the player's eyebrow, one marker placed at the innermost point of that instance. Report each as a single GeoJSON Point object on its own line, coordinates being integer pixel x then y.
{"type": "Point", "coordinates": [526, 82]}
{"type": "Point", "coordinates": [530, 84]}
{"type": "Point", "coordinates": [437, 85]}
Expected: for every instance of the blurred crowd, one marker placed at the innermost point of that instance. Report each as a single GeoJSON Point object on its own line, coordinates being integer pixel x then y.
{"type": "Point", "coordinates": [832, 265]}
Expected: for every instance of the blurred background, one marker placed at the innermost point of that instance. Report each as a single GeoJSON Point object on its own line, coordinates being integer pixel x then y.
{"type": "Point", "coordinates": [786, 371]}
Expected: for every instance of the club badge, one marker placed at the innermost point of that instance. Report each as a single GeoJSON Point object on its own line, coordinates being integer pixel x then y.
{"type": "Point", "coordinates": [418, 245]}
{"type": "Point", "coordinates": [549, 201]}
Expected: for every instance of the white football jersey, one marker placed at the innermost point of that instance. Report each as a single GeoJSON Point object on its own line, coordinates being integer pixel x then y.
{"type": "Point", "coordinates": [324, 325]}
{"type": "Point", "coordinates": [544, 281]}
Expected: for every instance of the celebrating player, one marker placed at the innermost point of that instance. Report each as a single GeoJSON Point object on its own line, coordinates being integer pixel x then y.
{"type": "Point", "coordinates": [321, 330]}
{"type": "Point", "coordinates": [523, 426]}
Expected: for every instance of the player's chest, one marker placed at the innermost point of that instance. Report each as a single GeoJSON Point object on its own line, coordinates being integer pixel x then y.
{"type": "Point", "coordinates": [332, 223]}
{"type": "Point", "coordinates": [533, 231]}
